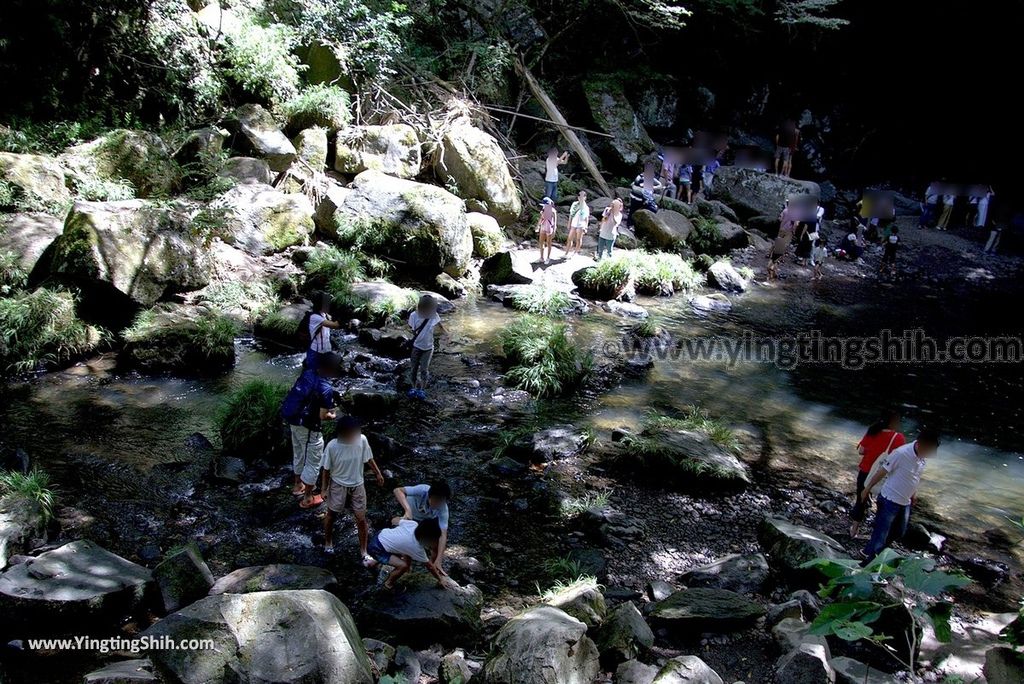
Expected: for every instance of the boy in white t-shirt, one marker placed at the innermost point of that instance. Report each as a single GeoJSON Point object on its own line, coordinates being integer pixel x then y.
{"type": "Point", "coordinates": [399, 546]}
{"type": "Point", "coordinates": [423, 322]}
{"type": "Point", "coordinates": [341, 477]}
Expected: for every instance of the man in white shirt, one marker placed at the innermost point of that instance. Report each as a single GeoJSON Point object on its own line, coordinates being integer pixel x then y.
{"type": "Point", "coordinates": [551, 165]}
{"type": "Point", "coordinates": [902, 472]}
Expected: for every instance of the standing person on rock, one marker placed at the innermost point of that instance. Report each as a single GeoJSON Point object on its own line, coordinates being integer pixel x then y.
{"type": "Point", "coordinates": [642, 193]}
{"type": "Point", "coordinates": [930, 207]}
{"type": "Point", "coordinates": [786, 141]}
{"type": "Point", "coordinates": [986, 195]}
{"type": "Point", "coordinates": [611, 219]}
{"type": "Point", "coordinates": [901, 472]}
{"type": "Point", "coordinates": [551, 164]}
{"type": "Point", "coordinates": [423, 321]}
{"type": "Point", "coordinates": [881, 438]}
{"type": "Point", "coordinates": [308, 403]}
{"type": "Point", "coordinates": [547, 224]}
{"type": "Point", "coordinates": [427, 502]}
{"type": "Point", "coordinates": [787, 224]}
{"type": "Point", "coordinates": [949, 194]}
{"type": "Point", "coordinates": [579, 219]}
{"type": "Point", "coordinates": [345, 459]}
{"type": "Point", "coordinates": [317, 325]}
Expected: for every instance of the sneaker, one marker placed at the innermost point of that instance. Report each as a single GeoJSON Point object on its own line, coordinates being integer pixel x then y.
{"type": "Point", "coordinates": [420, 394]}
{"type": "Point", "coordinates": [411, 393]}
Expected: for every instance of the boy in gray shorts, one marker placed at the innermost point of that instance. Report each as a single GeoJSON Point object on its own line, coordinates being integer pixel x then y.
{"type": "Point", "coordinates": [344, 461]}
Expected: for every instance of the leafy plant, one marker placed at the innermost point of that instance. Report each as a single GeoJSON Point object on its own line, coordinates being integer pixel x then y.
{"type": "Point", "coordinates": [889, 583]}
{"type": "Point", "coordinates": [705, 238]}
{"type": "Point", "coordinates": [41, 327]}
{"type": "Point", "coordinates": [663, 273]}
{"type": "Point", "coordinates": [696, 420]}
{"type": "Point", "coordinates": [249, 422]}
{"type": "Point", "coordinates": [255, 298]}
{"type": "Point", "coordinates": [380, 309]}
{"type": "Point", "coordinates": [322, 105]}
{"type": "Point", "coordinates": [260, 60]}
{"type": "Point", "coordinates": [609, 277]}
{"type": "Point", "coordinates": [93, 189]}
{"type": "Point", "coordinates": [12, 275]}
{"type": "Point", "coordinates": [573, 506]}
{"type": "Point", "coordinates": [35, 485]}
{"type": "Point", "coordinates": [746, 272]}
{"type": "Point", "coordinates": [333, 270]}
{"type": "Point", "coordinates": [212, 335]}
{"type": "Point", "coordinates": [540, 300]}
{"type": "Point", "coordinates": [561, 568]}
{"type": "Point", "coordinates": [544, 359]}
{"type": "Point", "coordinates": [645, 329]}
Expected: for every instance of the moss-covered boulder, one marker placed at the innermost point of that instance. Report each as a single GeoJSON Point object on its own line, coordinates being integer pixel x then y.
{"type": "Point", "coordinates": [665, 229]}
{"type": "Point", "coordinates": [142, 249]}
{"type": "Point", "coordinates": [261, 220]}
{"type": "Point", "coordinates": [488, 239]}
{"type": "Point", "coordinates": [624, 635]}
{"type": "Point", "coordinates": [756, 193]}
{"type": "Point", "coordinates": [184, 340]}
{"type": "Point", "coordinates": [182, 577]}
{"type": "Point", "coordinates": [393, 149]}
{"type": "Point", "coordinates": [473, 161]}
{"type": "Point", "coordinates": [36, 182]}
{"type": "Point", "coordinates": [27, 236]}
{"type": "Point", "coordinates": [199, 148]}
{"type": "Point", "coordinates": [139, 157]}
{"type": "Point", "coordinates": [311, 147]}
{"type": "Point", "coordinates": [788, 546]}
{"type": "Point", "coordinates": [422, 226]}
{"type": "Point", "coordinates": [582, 600]}
{"type": "Point", "coordinates": [256, 132]}
{"type": "Point", "coordinates": [613, 114]}
{"type": "Point", "coordinates": [378, 301]}
{"type": "Point", "coordinates": [247, 170]}
{"type": "Point", "coordinates": [542, 646]}
{"type": "Point", "coordinates": [678, 452]}
{"type": "Point", "coordinates": [289, 637]}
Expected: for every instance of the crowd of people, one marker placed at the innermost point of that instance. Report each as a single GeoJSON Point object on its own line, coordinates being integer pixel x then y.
{"type": "Point", "coordinates": [332, 476]}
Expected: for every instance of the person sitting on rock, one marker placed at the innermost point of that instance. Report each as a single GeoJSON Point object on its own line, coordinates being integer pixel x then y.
{"type": "Point", "coordinates": [427, 502]}
{"type": "Point", "coordinates": [345, 459]}
{"type": "Point", "coordinates": [399, 546]}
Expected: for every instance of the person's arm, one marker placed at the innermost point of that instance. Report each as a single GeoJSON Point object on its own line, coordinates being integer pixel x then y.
{"type": "Point", "coordinates": [333, 325]}
{"type": "Point", "coordinates": [436, 572]}
{"type": "Point", "coordinates": [325, 479]}
{"type": "Point", "coordinates": [400, 497]}
{"type": "Point", "coordinates": [564, 158]}
{"type": "Point", "coordinates": [879, 476]}
{"type": "Point", "coordinates": [439, 552]}
{"type": "Point", "coordinates": [376, 471]}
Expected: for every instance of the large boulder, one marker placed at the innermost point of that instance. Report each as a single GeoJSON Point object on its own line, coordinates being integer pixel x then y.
{"type": "Point", "coordinates": [686, 457]}
{"type": "Point", "coordinates": [27, 236]}
{"type": "Point", "coordinates": [424, 613]}
{"type": "Point", "coordinates": [139, 157]}
{"type": "Point", "coordinates": [507, 268]}
{"type": "Point", "coordinates": [142, 249]}
{"type": "Point", "coordinates": [474, 161]}
{"type": "Point", "coordinates": [22, 526]}
{"type": "Point", "coordinates": [261, 220]}
{"type": "Point", "coordinates": [686, 670]}
{"type": "Point", "coordinates": [789, 546]}
{"type": "Point", "coordinates": [613, 114]}
{"type": "Point", "coordinates": [542, 646]}
{"type": "Point", "coordinates": [635, 672]}
{"type": "Point", "coordinates": [73, 587]}
{"type": "Point", "coordinates": [393, 149]}
{"type": "Point", "coordinates": [257, 133]}
{"type": "Point", "coordinates": [487, 236]}
{"type": "Point", "coordinates": [274, 578]}
{"type": "Point", "coordinates": [1004, 665]}
{"type": "Point", "coordinates": [582, 600]}
{"type": "Point", "coordinates": [808, 663]}
{"type": "Point", "coordinates": [624, 635]}
{"type": "Point", "coordinates": [247, 170]}
{"type": "Point", "coordinates": [378, 301]}
{"type": "Point", "coordinates": [421, 225]}
{"type": "Point", "coordinates": [182, 577]}
{"type": "Point", "coordinates": [311, 147]}
{"type": "Point", "coordinates": [744, 574]}
{"type": "Point", "coordinates": [37, 180]}
{"type": "Point", "coordinates": [725, 277]}
{"type": "Point", "coordinates": [692, 611]}
{"type": "Point", "coordinates": [665, 229]}
{"type": "Point", "coordinates": [289, 637]}
{"type": "Point", "coordinates": [180, 339]}
{"type": "Point", "coordinates": [200, 147]}
{"type": "Point", "coordinates": [756, 193]}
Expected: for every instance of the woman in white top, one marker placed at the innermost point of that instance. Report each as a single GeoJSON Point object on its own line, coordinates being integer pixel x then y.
{"type": "Point", "coordinates": [320, 326]}
{"type": "Point", "coordinates": [611, 218]}
{"type": "Point", "coordinates": [579, 218]}
{"type": "Point", "coordinates": [551, 165]}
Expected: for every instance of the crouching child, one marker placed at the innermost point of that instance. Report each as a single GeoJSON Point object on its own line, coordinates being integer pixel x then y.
{"type": "Point", "coordinates": [400, 546]}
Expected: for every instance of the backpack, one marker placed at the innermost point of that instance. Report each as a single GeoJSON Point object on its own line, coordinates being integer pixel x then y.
{"type": "Point", "coordinates": [296, 405]}
{"type": "Point", "coordinates": [302, 334]}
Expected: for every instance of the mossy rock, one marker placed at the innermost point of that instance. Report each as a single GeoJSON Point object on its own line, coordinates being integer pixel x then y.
{"type": "Point", "coordinates": [311, 147]}
{"type": "Point", "coordinates": [488, 238]}
{"type": "Point", "coordinates": [181, 340]}
{"type": "Point", "coordinates": [37, 182]}
{"type": "Point", "coordinates": [473, 161]}
{"type": "Point", "coordinates": [378, 301]}
{"type": "Point", "coordinates": [139, 157]}
{"type": "Point", "coordinates": [261, 220]}
{"type": "Point", "coordinates": [393, 149]}
{"type": "Point", "coordinates": [693, 611]}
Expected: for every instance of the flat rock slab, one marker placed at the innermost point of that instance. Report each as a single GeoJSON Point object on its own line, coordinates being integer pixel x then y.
{"type": "Point", "coordinates": [745, 574]}
{"type": "Point", "coordinates": [789, 546]}
{"type": "Point", "coordinates": [274, 577]}
{"type": "Point", "coordinates": [123, 672]}
{"type": "Point", "coordinates": [706, 610]}
{"type": "Point", "coordinates": [422, 613]}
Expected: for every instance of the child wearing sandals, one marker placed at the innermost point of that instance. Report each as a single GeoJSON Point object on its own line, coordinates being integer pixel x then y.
{"type": "Point", "coordinates": [344, 461]}
{"type": "Point", "coordinates": [399, 546]}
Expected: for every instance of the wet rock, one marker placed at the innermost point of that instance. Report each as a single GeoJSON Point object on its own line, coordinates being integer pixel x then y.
{"type": "Point", "coordinates": [613, 114]}
{"type": "Point", "coordinates": [850, 671]}
{"type": "Point", "coordinates": [166, 343]}
{"type": "Point", "coordinates": [687, 670]}
{"type": "Point", "coordinates": [542, 646]}
{"type": "Point", "coordinates": [392, 149]}
{"type": "Point", "coordinates": [806, 664]}
{"type": "Point", "coordinates": [624, 635]}
{"type": "Point", "coordinates": [657, 590]}
{"type": "Point", "coordinates": [421, 225]}
{"type": "Point", "coordinates": [369, 404]}
{"type": "Point", "coordinates": [1004, 665]}
{"type": "Point", "coordinates": [139, 157]}
{"type": "Point", "coordinates": [455, 668]}
{"type": "Point", "coordinates": [665, 229]}
{"type": "Point", "coordinates": [755, 193]}
{"type": "Point", "coordinates": [425, 613]}
{"type": "Point", "coordinates": [789, 546]}
{"type": "Point", "coordinates": [261, 220]}
{"type": "Point", "coordinates": [407, 665]}
{"type": "Point", "coordinates": [790, 632]}
{"type": "Point", "coordinates": [182, 577]}
{"type": "Point", "coordinates": [635, 672]}
{"type": "Point", "coordinates": [391, 341]}
{"type": "Point", "coordinates": [245, 170]}
{"type": "Point", "coordinates": [744, 574]}
{"type": "Point", "coordinates": [123, 672]}
{"type": "Point", "coordinates": [76, 585]}
{"type": "Point", "coordinates": [714, 302]}
{"type": "Point", "coordinates": [724, 276]}
{"type": "Point", "coordinates": [37, 181]}
{"type": "Point", "coordinates": [582, 600]}
{"type": "Point", "coordinates": [549, 444]}
{"type": "Point", "coordinates": [229, 470]}
{"type": "Point", "coordinates": [27, 236]}
{"type": "Point", "coordinates": [507, 268]}
{"type": "Point", "coordinates": [706, 610]}
{"type": "Point", "coordinates": [22, 526]}
{"type": "Point", "coordinates": [625, 309]}
{"type": "Point", "coordinates": [777, 612]}
{"type": "Point", "coordinates": [477, 165]}
{"type": "Point", "coordinates": [379, 653]}
{"type": "Point", "coordinates": [448, 286]}
{"type": "Point", "coordinates": [144, 250]}
{"type": "Point", "coordinates": [273, 636]}
{"type": "Point", "coordinates": [255, 131]}
{"type": "Point", "coordinates": [275, 577]}
{"type": "Point", "coordinates": [488, 238]}
{"type": "Point", "coordinates": [591, 562]}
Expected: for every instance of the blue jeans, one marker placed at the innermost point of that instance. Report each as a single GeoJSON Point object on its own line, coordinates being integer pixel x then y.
{"type": "Point", "coordinates": [603, 244]}
{"type": "Point", "coordinates": [551, 190]}
{"type": "Point", "coordinates": [891, 521]}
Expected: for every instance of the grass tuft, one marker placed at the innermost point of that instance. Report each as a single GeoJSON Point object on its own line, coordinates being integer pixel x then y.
{"type": "Point", "coordinates": [249, 422]}
{"type": "Point", "coordinates": [542, 301]}
{"type": "Point", "coordinates": [561, 587]}
{"type": "Point", "coordinates": [544, 359]}
{"type": "Point", "coordinates": [41, 327]}
{"type": "Point", "coordinates": [35, 485]}
{"type": "Point", "coordinates": [576, 505]}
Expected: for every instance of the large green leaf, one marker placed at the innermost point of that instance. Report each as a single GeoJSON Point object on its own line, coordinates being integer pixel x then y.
{"type": "Point", "coordinates": [939, 615]}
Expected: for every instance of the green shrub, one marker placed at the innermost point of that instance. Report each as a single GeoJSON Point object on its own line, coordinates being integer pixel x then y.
{"type": "Point", "coordinates": [48, 137]}
{"type": "Point", "coordinates": [705, 238]}
{"type": "Point", "coordinates": [255, 299]}
{"type": "Point", "coordinates": [561, 569]}
{"type": "Point", "coordinates": [278, 326]}
{"type": "Point", "coordinates": [261, 61]}
{"type": "Point", "coordinates": [250, 423]}
{"type": "Point", "coordinates": [574, 506]}
{"type": "Point", "coordinates": [663, 273]}
{"type": "Point", "coordinates": [213, 335]}
{"type": "Point", "coordinates": [35, 485]}
{"type": "Point", "coordinates": [746, 272]}
{"type": "Point", "coordinates": [333, 270]}
{"type": "Point", "coordinates": [543, 358]}
{"type": "Point", "coordinates": [540, 300]}
{"type": "Point", "coordinates": [41, 327]}
{"type": "Point", "coordinates": [94, 189]}
{"type": "Point", "coordinates": [12, 275]}
{"type": "Point", "coordinates": [609, 277]}
{"type": "Point", "coordinates": [321, 105]}
{"type": "Point", "coordinates": [160, 341]}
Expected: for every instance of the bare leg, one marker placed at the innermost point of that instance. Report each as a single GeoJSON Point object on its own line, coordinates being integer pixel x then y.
{"type": "Point", "coordinates": [363, 530]}
{"type": "Point", "coordinates": [329, 530]}
{"type": "Point", "coordinates": [401, 566]}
